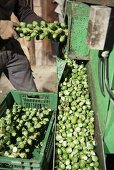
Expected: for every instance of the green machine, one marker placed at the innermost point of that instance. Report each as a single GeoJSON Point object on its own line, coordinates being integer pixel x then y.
{"type": "Point", "coordinates": [91, 25]}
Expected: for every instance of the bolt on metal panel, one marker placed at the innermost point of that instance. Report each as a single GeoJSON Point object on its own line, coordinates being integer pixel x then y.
{"type": "Point", "coordinates": [98, 26]}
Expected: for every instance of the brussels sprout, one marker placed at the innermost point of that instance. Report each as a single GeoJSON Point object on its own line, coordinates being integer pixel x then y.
{"type": "Point", "coordinates": [75, 144]}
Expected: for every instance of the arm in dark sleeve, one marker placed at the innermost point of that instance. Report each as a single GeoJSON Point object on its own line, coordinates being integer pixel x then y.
{"type": "Point", "coordinates": [24, 13]}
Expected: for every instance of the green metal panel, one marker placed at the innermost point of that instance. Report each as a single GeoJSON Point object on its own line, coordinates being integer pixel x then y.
{"type": "Point", "coordinates": [102, 105]}
{"type": "Point", "coordinates": [60, 67]}
{"type": "Point", "coordinates": [78, 14]}
{"type": "Point", "coordinates": [100, 102]}
{"type": "Point", "coordinates": [109, 131]}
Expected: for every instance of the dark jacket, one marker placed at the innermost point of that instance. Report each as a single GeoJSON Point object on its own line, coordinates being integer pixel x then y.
{"type": "Point", "coordinates": [20, 9]}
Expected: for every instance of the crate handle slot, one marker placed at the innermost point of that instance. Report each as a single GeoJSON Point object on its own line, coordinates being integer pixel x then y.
{"type": "Point", "coordinates": [33, 97]}
{"type": "Point", "coordinates": [36, 97]}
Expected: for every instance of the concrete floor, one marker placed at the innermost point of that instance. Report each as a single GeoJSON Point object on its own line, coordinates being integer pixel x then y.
{"type": "Point", "coordinates": [45, 79]}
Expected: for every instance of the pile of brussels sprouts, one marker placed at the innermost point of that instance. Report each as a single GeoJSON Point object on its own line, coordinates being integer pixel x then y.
{"type": "Point", "coordinates": [22, 130]}
{"type": "Point", "coordinates": [75, 143]}
{"type": "Point", "coordinates": [54, 31]}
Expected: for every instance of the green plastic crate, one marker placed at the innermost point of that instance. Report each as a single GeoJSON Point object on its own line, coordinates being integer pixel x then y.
{"type": "Point", "coordinates": [41, 158]}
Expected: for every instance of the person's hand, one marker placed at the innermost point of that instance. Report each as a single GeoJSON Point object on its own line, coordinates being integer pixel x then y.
{"type": "Point", "coordinates": [7, 29]}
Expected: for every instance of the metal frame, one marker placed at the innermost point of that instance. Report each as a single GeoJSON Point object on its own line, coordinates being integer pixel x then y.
{"type": "Point", "coordinates": [99, 2]}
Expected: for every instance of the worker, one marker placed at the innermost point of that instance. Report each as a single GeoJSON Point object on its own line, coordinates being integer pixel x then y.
{"type": "Point", "coordinates": [13, 62]}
